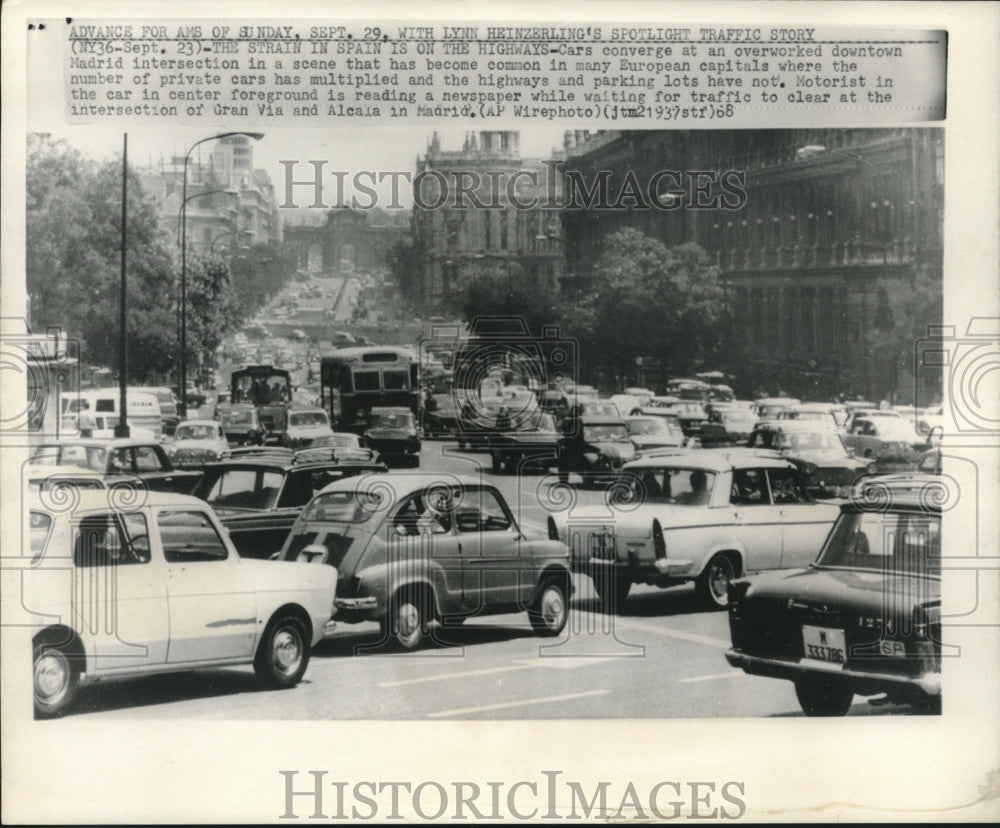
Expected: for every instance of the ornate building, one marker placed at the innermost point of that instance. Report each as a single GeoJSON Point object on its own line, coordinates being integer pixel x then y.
{"type": "Point", "coordinates": [485, 208]}
{"type": "Point", "coordinates": [810, 228]}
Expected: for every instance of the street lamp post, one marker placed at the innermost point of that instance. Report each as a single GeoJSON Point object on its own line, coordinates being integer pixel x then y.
{"type": "Point", "coordinates": [184, 199]}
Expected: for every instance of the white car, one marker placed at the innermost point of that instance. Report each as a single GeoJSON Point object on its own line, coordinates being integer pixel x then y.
{"type": "Point", "coordinates": [154, 585]}
{"type": "Point", "coordinates": [197, 442]}
{"type": "Point", "coordinates": [706, 516]}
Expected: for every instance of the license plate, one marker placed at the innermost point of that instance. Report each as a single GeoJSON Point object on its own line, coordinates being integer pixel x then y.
{"type": "Point", "coordinates": [824, 644]}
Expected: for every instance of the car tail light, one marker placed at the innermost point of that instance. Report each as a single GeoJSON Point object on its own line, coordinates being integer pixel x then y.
{"type": "Point", "coordinates": [553, 529]}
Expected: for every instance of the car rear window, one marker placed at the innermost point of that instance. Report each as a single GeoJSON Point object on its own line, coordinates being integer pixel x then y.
{"type": "Point", "coordinates": [885, 542]}
{"type": "Point", "coordinates": [344, 507]}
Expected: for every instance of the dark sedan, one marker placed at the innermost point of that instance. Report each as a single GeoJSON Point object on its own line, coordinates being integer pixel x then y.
{"type": "Point", "coordinates": [865, 618]}
{"type": "Point", "coordinates": [259, 497]}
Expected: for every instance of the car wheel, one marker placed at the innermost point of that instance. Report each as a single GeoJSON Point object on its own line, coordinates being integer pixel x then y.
{"type": "Point", "coordinates": [612, 588]}
{"type": "Point", "coordinates": [283, 654]}
{"type": "Point", "coordinates": [409, 622]}
{"type": "Point", "coordinates": [551, 609]}
{"type": "Point", "coordinates": [819, 697]}
{"type": "Point", "coordinates": [55, 680]}
{"type": "Point", "coordinates": [715, 580]}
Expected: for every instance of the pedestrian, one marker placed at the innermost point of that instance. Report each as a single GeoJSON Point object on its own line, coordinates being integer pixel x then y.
{"type": "Point", "coordinates": [85, 421]}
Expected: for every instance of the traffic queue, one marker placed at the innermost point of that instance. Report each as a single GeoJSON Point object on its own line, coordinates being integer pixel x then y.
{"type": "Point", "coordinates": [751, 501]}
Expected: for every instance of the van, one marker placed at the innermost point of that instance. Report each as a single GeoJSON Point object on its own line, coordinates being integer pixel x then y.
{"type": "Point", "coordinates": [143, 409]}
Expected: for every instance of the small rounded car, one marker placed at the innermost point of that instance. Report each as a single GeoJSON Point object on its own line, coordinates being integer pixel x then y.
{"type": "Point", "coordinates": [197, 442]}
{"type": "Point", "coordinates": [413, 550]}
{"type": "Point", "coordinates": [132, 586]}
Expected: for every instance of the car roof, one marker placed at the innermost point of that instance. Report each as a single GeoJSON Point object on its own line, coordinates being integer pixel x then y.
{"type": "Point", "coordinates": [95, 499]}
{"type": "Point", "coordinates": [910, 491]}
{"type": "Point", "coordinates": [202, 421]}
{"type": "Point", "coordinates": [792, 425]}
{"type": "Point", "coordinates": [396, 409]}
{"type": "Point", "coordinates": [97, 442]}
{"type": "Point", "coordinates": [716, 460]}
{"type": "Point", "coordinates": [599, 419]}
{"type": "Point", "coordinates": [403, 484]}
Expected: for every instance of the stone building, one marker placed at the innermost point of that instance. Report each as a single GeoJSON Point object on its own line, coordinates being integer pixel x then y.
{"type": "Point", "coordinates": [484, 208]}
{"type": "Point", "coordinates": [811, 229]}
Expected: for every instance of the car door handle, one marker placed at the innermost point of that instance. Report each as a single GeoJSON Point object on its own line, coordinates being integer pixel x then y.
{"type": "Point", "coordinates": [738, 515]}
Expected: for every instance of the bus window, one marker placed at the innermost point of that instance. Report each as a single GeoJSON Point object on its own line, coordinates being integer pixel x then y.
{"type": "Point", "coordinates": [366, 381]}
{"type": "Point", "coordinates": [395, 380]}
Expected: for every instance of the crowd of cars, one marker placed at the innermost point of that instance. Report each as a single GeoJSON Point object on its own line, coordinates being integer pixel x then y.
{"type": "Point", "coordinates": [245, 554]}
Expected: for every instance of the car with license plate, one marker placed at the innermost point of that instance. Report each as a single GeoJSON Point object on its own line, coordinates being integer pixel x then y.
{"type": "Point", "coordinates": [595, 448]}
{"type": "Point", "coordinates": [117, 459]}
{"type": "Point", "coordinates": [817, 448]}
{"type": "Point", "coordinates": [705, 516]}
{"type": "Point", "coordinates": [865, 617]}
{"type": "Point", "coordinates": [303, 426]}
{"type": "Point", "coordinates": [258, 493]}
{"type": "Point", "coordinates": [392, 432]}
{"type": "Point", "coordinates": [197, 442]}
{"type": "Point", "coordinates": [532, 442]}
{"type": "Point", "coordinates": [180, 597]}
{"type": "Point", "coordinates": [416, 549]}
{"type": "Point", "coordinates": [241, 425]}
{"type": "Point", "coordinates": [650, 433]}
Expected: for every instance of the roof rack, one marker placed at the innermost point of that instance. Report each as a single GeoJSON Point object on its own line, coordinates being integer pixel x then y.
{"type": "Point", "coordinates": [280, 454]}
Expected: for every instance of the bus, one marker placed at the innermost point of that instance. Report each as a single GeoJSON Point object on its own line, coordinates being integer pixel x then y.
{"type": "Point", "coordinates": [353, 381]}
{"type": "Point", "coordinates": [260, 385]}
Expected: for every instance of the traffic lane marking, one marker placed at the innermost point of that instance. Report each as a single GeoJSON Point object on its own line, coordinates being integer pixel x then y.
{"type": "Point", "coordinates": [731, 674]}
{"type": "Point", "coordinates": [461, 711]}
{"type": "Point", "coordinates": [557, 662]}
{"type": "Point", "coordinates": [694, 638]}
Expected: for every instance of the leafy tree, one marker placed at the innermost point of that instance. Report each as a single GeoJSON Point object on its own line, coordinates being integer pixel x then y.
{"type": "Point", "coordinates": [649, 301]}
{"type": "Point", "coordinates": [73, 250]}
{"type": "Point", "coordinates": [212, 307]}
{"type": "Point", "coordinates": [906, 307]}
{"type": "Point", "coordinates": [507, 289]}
{"type": "Point", "coordinates": [257, 276]}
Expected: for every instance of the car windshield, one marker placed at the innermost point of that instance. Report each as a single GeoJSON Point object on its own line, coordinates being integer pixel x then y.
{"type": "Point", "coordinates": [679, 486]}
{"type": "Point", "coordinates": [649, 427]}
{"type": "Point", "coordinates": [601, 409]}
{"type": "Point", "coordinates": [87, 457]}
{"type": "Point", "coordinates": [337, 441]}
{"type": "Point", "coordinates": [885, 542]}
{"type": "Point", "coordinates": [604, 433]}
{"type": "Point", "coordinates": [238, 416]}
{"type": "Point", "coordinates": [196, 432]}
{"type": "Point", "coordinates": [307, 418]}
{"type": "Point", "coordinates": [396, 421]}
{"type": "Point", "coordinates": [245, 489]}
{"type": "Point", "coordinates": [809, 440]}
{"type": "Point", "coordinates": [343, 507]}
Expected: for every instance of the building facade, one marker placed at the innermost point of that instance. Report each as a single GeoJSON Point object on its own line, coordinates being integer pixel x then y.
{"type": "Point", "coordinates": [483, 210]}
{"type": "Point", "coordinates": [813, 231]}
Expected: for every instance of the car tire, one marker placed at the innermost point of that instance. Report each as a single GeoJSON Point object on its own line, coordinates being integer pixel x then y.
{"type": "Point", "coordinates": [409, 623]}
{"type": "Point", "coordinates": [714, 581]}
{"type": "Point", "coordinates": [821, 697]}
{"type": "Point", "coordinates": [283, 654]}
{"type": "Point", "coordinates": [550, 611]}
{"type": "Point", "coordinates": [55, 680]}
{"type": "Point", "coordinates": [612, 588]}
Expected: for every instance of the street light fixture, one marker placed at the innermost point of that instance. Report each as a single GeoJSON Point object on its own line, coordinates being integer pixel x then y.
{"type": "Point", "coordinates": [184, 200]}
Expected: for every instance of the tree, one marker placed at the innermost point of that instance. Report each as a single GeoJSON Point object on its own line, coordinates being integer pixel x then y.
{"type": "Point", "coordinates": [907, 306]}
{"type": "Point", "coordinates": [74, 254]}
{"type": "Point", "coordinates": [505, 288]}
{"type": "Point", "coordinates": [212, 305]}
{"type": "Point", "coordinates": [260, 274]}
{"type": "Point", "coordinates": [649, 301]}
